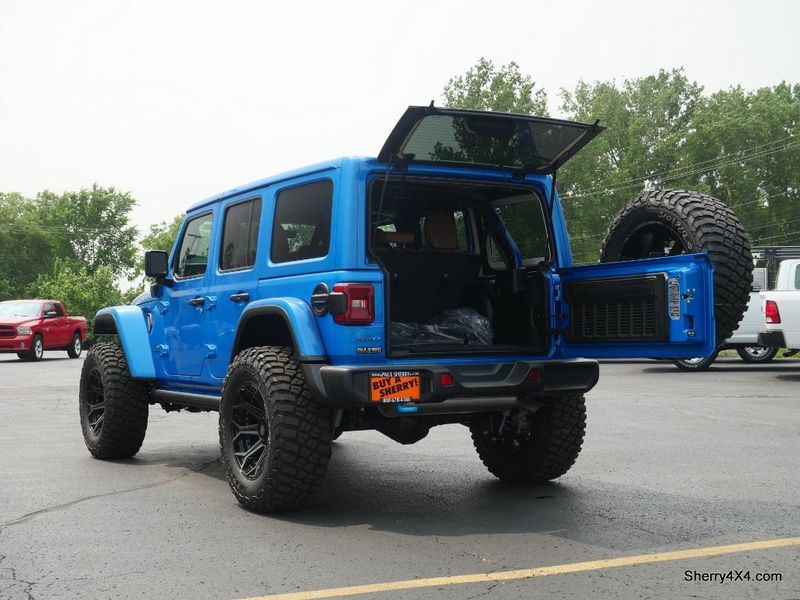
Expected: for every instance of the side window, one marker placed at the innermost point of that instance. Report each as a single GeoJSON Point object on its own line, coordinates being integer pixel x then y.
{"type": "Point", "coordinates": [302, 225]}
{"type": "Point", "coordinates": [240, 235]}
{"type": "Point", "coordinates": [46, 308]}
{"type": "Point", "coordinates": [797, 277]}
{"type": "Point", "coordinates": [193, 252]}
{"type": "Point", "coordinates": [57, 308]}
{"type": "Point", "coordinates": [524, 219]}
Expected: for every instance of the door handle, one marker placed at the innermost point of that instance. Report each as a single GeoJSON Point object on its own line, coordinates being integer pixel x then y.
{"type": "Point", "coordinates": [240, 297]}
{"type": "Point", "coordinates": [197, 301]}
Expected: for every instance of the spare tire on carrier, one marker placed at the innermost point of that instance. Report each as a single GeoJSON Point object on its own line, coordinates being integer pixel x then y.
{"type": "Point", "coordinates": [671, 222]}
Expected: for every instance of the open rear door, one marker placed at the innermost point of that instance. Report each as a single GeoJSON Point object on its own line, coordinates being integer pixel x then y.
{"type": "Point", "coordinates": [651, 308]}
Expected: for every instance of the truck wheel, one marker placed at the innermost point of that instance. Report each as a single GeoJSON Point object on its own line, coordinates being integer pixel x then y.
{"type": "Point", "coordinates": [113, 405]}
{"type": "Point", "coordinates": [670, 222]}
{"type": "Point", "coordinates": [275, 440]}
{"type": "Point", "coordinates": [528, 447]}
{"type": "Point", "coordinates": [75, 347]}
{"type": "Point", "coordinates": [757, 354]}
{"type": "Point", "coordinates": [701, 363]}
{"type": "Point", "coordinates": [36, 352]}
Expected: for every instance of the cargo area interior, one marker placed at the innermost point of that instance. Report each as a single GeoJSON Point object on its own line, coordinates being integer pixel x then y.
{"type": "Point", "coordinates": [452, 281]}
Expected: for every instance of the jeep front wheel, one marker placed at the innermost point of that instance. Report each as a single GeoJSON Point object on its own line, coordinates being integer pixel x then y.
{"type": "Point", "coordinates": [113, 405]}
{"type": "Point", "coordinates": [532, 447]}
{"type": "Point", "coordinates": [275, 440]}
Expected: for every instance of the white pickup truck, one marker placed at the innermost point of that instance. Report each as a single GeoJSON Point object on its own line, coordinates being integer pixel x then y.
{"type": "Point", "coordinates": [780, 308]}
{"type": "Point", "coordinates": [776, 271]}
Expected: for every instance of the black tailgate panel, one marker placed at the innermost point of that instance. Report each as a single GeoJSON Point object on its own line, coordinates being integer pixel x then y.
{"type": "Point", "coordinates": [620, 309]}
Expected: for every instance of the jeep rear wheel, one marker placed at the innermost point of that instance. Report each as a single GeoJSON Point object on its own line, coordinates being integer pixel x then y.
{"type": "Point", "coordinates": [532, 447]}
{"type": "Point", "coordinates": [671, 222]}
{"type": "Point", "coordinates": [113, 405]}
{"type": "Point", "coordinates": [275, 440]}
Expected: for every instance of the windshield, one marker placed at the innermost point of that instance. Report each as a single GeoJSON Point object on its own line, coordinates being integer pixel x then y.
{"type": "Point", "coordinates": [20, 309]}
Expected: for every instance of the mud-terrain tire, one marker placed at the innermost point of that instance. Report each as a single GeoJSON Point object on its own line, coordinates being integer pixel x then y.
{"type": "Point", "coordinates": [692, 222]}
{"type": "Point", "coordinates": [267, 405]}
{"type": "Point", "coordinates": [757, 354]}
{"type": "Point", "coordinates": [113, 405]}
{"type": "Point", "coordinates": [75, 346]}
{"type": "Point", "coordinates": [695, 364]}
{"type": "Point", "coordinates": [546, 451]}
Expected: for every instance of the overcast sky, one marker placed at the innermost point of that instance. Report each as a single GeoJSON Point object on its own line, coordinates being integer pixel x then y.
{"type": "Point", "coordinates": [174, 101]}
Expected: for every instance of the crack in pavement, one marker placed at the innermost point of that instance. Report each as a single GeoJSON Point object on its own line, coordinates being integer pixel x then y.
{"type": "Point", "coordinates": [57, 507]}
{"type": "Point", "coordinates": [27, 590]}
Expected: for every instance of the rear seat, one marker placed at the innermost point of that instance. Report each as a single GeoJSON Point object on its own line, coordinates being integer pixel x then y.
{"type": "Point", "coordinates": [432, 279]}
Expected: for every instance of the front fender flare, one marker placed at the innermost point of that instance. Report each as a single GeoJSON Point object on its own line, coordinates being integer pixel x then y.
{"type": "Point", "coordinates": [299, 319]}
{"type": "Point", "coordinates": [129, 323]}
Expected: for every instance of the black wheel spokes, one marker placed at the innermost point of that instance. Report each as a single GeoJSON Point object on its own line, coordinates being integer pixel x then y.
{"type": "Point", "coordinates": [95, 402]}
{"type": "Point", "coordinates": [249, 432]}
{"type": "Point", "coordinates": [651, 241]}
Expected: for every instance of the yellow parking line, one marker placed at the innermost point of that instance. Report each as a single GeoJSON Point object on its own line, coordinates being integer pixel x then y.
{"type": "Point", "coordinates": [593, 565]}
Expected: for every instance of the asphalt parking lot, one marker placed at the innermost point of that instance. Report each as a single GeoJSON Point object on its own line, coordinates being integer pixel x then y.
{"type": "Point", "coordinates": [671, 462]}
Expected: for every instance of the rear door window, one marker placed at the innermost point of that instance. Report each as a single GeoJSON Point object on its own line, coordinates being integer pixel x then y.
{"type": "Point", "coordinates": [240, 235]}
{"type": "Point", "coordinates": [192, 258]}
{"type": "Point", "coordinates": [302, 225]}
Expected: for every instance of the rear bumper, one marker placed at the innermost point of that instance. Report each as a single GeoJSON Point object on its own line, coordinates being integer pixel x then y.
{"type": "Point", "coordinates": [773, 339]}
{"type": "Point", "coordinates": [346, 387]}
{"type": "Point", "coordinates": [19, 343]}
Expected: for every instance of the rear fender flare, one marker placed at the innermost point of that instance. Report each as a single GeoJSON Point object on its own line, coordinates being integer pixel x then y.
{"type": "Point", "coordinates": [299, 320]}
{"type": "Point", "coordinates": [129, 324]}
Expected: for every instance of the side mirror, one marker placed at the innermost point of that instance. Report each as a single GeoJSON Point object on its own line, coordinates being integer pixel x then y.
{"type": "Point", "coordinates": [49, 314]}
{"type": "Point", "coordinates": [155, 264]}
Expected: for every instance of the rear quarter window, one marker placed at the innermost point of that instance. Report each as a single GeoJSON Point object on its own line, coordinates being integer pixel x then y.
{"type": "Point", "coordinates": [302, 224]}
{"type": "Point", "coordinates": [524, 219]}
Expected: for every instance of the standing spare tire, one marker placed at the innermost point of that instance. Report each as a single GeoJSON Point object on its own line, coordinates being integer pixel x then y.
{"type": "Point", "coordinates": [671, 222]}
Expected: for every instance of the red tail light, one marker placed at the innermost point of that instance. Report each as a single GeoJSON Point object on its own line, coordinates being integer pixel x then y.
{"type": "Point", "coordinates": [359, 303]}
{"type": "Point", "coordinates": [771, 312]}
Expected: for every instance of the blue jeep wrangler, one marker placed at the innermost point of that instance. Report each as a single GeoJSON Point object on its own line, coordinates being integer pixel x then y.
{"type": "Point", "coordinates": [433, 284]}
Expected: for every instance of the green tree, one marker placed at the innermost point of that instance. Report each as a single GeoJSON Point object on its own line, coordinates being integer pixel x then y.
{"type": "Point", "coordinates": [26, 249]}
{"type": "Point", "coordinates": [93, 227]}
{"type": "Point", "coordinates": [486, 87]}
{"type": "Point", "coordinates": [82, 292]}
{"type": "Point", "coordinates": [162, 235]}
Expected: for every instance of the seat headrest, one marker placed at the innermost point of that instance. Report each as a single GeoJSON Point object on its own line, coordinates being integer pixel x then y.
{"type": "Point", "coordinates": [386, 238]}
{"type": "Point", "coordinates": [440, 230]}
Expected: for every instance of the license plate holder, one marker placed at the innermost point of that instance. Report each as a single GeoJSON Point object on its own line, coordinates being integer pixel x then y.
{"type": "Point", "coordinates": [390, 387]}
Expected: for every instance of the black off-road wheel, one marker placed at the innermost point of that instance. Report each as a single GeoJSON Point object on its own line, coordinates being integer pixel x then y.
{"type": "Point", "coordinates": [75, 347]}
{"type": "Point", "coordinates": [275, 440]}
{"type": "Point", "coordinates": [757, 354]}
{"type": "Point", "coordinates": [671, 222]}
{"type": "Point", "coordinates": [113, 405]}
{"type": "Point", "coordinates": [532, 447]}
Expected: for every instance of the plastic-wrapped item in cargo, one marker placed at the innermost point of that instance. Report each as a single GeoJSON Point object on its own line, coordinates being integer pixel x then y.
{"type": "Point", "coordinates": [471, 325]}
{"type": "Point", "coordinates": [454, 326]}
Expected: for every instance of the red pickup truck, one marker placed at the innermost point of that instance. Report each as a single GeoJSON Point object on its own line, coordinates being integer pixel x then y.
{"type": "Point", "coordinates": [29, 327]}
